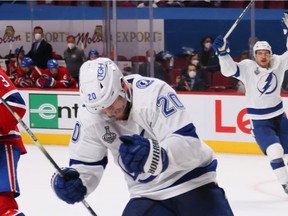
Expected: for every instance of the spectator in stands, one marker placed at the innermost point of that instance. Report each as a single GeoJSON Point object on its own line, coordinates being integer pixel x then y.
{"type": "Point", "coordinates": [41, 50]}
{"type": "Point", "coordinates": [93, 54]}
{"type": "Point", "coordinates": [195, 60]}
{"type": "Point", "coordinates": [14, 63]}
{"type": "Point", "coordinates": [237, 84]}
{"type": "Point", "coordinates": [146, 4]}
{"type": "Point", "coordinates": [27, 74]}
{"type": "Point", "coordinates": [203, 3]}
{"type": "Point", "coordinates": [240, 87]}
{"type": "Point", "coordinates": [208, 57]}
{"type": "Point", "coordinates": [144, 68]}
{"type": "Point", "coordinates": [191, 80]}
{"type": "Point", "coordinates": [170, 3]}
{"type": "Point", "coordinates": [74, 57]}
{"type": "Point", "coordinates": [56, 76]}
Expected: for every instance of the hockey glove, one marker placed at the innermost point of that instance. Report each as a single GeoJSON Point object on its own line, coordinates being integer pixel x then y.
{"type": "Point", "coordinates": [284, 23]}
{"type": "Point", "coordinates": [221, 46]}
{"type": "Point", "coordinates": [141, 155]}
{"type": "Point", "coordinates": [68, 188]}
{"type": "Point", "coordinates": [23, 82]}
{"type": "Point", "coordinates": [45, 82]}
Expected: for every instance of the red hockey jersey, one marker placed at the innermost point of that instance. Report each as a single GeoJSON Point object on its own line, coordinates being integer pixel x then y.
{"type": "Point", "coordinates": [9, 132]}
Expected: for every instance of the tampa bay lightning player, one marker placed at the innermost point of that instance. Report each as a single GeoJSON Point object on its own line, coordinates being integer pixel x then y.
{"type": "Point", "coordinates": [262, 79]}
{"type": "Point", "coordinates": [168, 169]}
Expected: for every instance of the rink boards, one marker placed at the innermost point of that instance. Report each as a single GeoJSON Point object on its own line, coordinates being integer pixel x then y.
{"type": "Point", "coordinates": [220, 119]}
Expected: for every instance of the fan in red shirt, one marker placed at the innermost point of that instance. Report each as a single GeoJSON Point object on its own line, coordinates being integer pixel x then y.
{"type": "Point", "coordinates": [11, 146]}
{"type": "Point", "coordinates": [27, 74]}
{"type": "Point", "coordinates": [56, 76]}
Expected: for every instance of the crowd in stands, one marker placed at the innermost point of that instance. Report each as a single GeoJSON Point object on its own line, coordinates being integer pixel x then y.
{"type": "Point", "coordinates": [190, 71]}
{"type": "Point", "coordinates": [264, 4]}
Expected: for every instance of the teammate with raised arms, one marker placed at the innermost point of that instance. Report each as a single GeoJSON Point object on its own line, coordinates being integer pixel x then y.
{"type": "Point", "coordinates": [262, 79]}
{"type": "Point", "coordinates": [168, 169]}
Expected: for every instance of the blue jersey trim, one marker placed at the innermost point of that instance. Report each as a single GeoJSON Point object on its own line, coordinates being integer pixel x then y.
{"type": "Point", "coordinates": [195, 173]}
{"type": "Point", "coordinates": [264, 111]}
{"type": "Point", "coordinates": [102, 162]}
{"type": "Point", "coordinates": [188, 130]}
{"type": "Point", "coordinates": [16, 98]}
{"type": "Point", "coordinates": [10, 136]}
{"type": "Point", "coordinates": [237, 74]}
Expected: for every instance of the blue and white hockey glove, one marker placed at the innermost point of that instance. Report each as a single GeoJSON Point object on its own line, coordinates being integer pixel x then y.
{"type": "Point", "coordinates": [68, 188]}
{"type": "Point", "coordinates": [284, 23]}
{"type": "Point", "coordinates": [221, 46]}
{"type": "Point", "coordinates": [141, 155]}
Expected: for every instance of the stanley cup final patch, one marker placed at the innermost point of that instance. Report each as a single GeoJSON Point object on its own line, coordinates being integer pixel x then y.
{"type": "Point", "coordinates": [109, 136]}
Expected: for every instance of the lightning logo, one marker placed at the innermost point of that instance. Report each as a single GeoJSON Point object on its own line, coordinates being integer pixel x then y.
{"type": "Point", "coordinates": [267, 84]}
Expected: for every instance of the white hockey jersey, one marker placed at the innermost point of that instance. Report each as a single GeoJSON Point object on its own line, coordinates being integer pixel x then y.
{"type": "Point", "coordinates": [158, 114]}
{"type": "Point", "coordinates": [263, 86]}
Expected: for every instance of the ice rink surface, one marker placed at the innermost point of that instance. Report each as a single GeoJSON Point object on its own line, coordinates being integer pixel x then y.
{"type": "Point", "coordinates": [248, 180]}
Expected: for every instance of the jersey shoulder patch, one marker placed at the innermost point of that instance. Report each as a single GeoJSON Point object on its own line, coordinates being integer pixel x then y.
{"type": "Point", "coordinates": [143, 83]}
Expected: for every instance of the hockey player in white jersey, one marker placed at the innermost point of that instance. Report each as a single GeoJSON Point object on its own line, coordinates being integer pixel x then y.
{"type": "Point", "coordinates": [263, 80]}
{"type": "Point", "coordinates": [168, 169]}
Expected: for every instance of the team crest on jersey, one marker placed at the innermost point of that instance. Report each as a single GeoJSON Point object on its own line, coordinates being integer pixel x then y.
{"type": "Point", "coordinates": [109, 136]}
{"type": "Point", "coordinates": [144, 83]}
{"type": "Point", "coordinates": [267, 84]}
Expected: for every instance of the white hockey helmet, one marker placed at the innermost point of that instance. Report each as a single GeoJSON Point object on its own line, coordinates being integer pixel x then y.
{"type": "Point", "coordinates": [100, 83]}
{"type": "Point", "coordinates": [261, 45]}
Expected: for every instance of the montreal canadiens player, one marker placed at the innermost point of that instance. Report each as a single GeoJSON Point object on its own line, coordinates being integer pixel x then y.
{"type": "Point", "coordinates": [11, 146]}
{"type": "Point", "coordinates": [262, 79]}
{"type": "Point", "coordinates": [168, 169]}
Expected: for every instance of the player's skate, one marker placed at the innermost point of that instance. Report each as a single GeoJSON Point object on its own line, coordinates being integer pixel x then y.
{"type": "Point", "coordinates": [285, 187]}
{"type": "Point", "coordinates": [13, 212]}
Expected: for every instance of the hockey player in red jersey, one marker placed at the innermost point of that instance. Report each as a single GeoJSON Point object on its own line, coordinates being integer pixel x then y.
{"type": "Point", "coordinates": [27, 74]}
{"type": "Point", "coordinates": [14, 63]}
{"type": "Point", "coordinates": [56, 76]}
{"type": "Point", "coordinates": [11, 146]}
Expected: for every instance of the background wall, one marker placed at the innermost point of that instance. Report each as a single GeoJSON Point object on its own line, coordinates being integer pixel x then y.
{"type": "Point", "coordinates": [182, 26]}
{"type": "Point", "coordinates": [220, 119]}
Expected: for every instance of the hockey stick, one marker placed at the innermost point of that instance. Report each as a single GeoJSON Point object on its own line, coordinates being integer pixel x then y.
{"type": "Point", "coordinates": [238, 20]}
{"type": "Point", "coordinates": [17, 57]}
{"type": "Point", "coordinates": [38, 70]}
{"type": "Point", "coordinates": [41, 147]}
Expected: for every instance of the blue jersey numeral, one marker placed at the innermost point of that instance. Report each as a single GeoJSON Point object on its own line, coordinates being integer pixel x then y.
{"type": "Point", "coordinates": [169, 104]}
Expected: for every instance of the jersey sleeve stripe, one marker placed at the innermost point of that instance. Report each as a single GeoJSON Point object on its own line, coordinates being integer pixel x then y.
{"type": "Point", "coordinates": [102, 162]}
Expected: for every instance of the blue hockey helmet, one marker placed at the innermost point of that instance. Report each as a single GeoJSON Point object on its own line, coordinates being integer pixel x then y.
{"type": "Point", "coordinates": [52, 64]}
{"type": "Point", "coordinates": [26, 62]}
{"type": "Point", "coordinates": [93, 52]}
{"type": "Point", "coordinates": [17, 51]}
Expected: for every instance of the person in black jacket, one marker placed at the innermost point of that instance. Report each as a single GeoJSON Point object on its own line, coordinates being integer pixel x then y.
{"type": "Point", "coordinates": [41, 50]}
{"type": "Point", "coordinates": [191, 80]}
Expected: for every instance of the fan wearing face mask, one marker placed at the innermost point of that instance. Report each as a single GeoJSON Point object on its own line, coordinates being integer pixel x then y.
{"type": "Point", "coordinates": [74, 57]}
{"type": "Point", "coordinates": [41, 50]}
{"type": "Point", "coordinates": [193, 59]}
{"type": "Point", "coordinates": [191, 80]}
{"type": "Point", "coordinates": [208, 58]}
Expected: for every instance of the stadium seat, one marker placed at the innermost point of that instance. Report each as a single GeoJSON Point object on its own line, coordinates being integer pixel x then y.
{"type": "Point", "coordinates": [121, 58]}
{"type": "Point", "coordinates": [277, 4]}
{"type": "Point", "coordinates": [180, 61]}
{"type": "Point", "coordinates": [218, 82]}
{"type": "Point", "coordinates": [173, 74]}
{"type": "Point", "coordinates": [138, 58]}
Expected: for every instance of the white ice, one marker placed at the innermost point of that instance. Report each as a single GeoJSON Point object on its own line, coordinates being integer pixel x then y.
{"type": "Point", "coordinates": [248, 180]}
